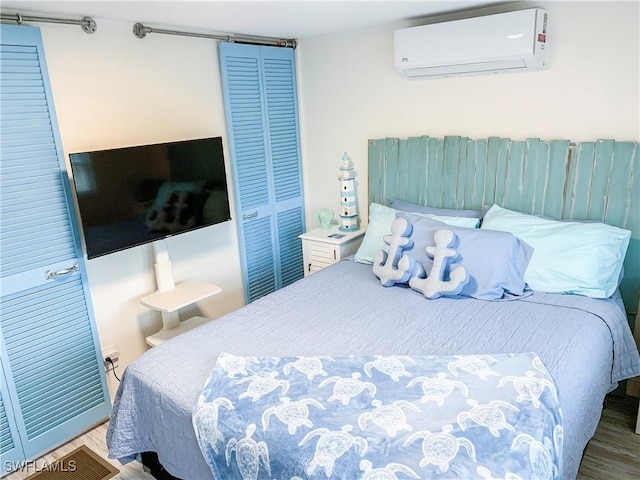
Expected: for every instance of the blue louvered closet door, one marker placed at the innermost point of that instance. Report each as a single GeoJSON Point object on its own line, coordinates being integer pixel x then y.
{"type": "Point", "coordinates": [54, 385]}
{"type": "Point", "coordinates": [260, 93]}
{"type": "Point", "coordinates": [10, 446]}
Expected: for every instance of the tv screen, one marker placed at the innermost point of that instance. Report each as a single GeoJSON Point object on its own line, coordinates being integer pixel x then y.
{"type": "Point", "coordinates": [135, 195]}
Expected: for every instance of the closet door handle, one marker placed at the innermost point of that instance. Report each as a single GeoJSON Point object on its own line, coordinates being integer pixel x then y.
{"type": "Point", "coordinates": [48, 275]}
{"type": "Point", "coordinates": [247, 216]}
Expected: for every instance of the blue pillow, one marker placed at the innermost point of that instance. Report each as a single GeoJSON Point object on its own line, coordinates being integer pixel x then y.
{"type": "Point", "coordinates": [448, 212]}
{"type": "Point", "coordinates": [495, 261]}
{"type": "Point", "coordinates": [467, 222]}
{"type": "Point", "coordinates": [569, 257]}
{"type": "Point", "coordinates": [380, 220]}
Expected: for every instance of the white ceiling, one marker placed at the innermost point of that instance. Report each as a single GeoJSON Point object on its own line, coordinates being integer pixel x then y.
{"type": "Point", "coordinates": [285, 19]}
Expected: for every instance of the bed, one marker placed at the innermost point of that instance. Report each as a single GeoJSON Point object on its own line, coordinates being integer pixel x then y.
{"type": "Point", "coordinates": [584, 343]}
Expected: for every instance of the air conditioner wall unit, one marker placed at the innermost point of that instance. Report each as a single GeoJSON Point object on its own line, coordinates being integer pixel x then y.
{"type": "Point", "coordinates": [500, 43]}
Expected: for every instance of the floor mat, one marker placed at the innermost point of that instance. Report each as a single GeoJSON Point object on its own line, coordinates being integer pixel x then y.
{"type": "Point", "coordinates": [81, 464]}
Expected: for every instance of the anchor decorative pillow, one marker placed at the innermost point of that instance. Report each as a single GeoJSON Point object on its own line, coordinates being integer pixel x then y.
{"type": "Point", "coordinates": [395, 267]}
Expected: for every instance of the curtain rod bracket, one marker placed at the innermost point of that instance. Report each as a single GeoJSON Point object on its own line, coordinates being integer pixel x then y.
{"type": "Point", "coordinates": [88, 24]}
{"type": "Point", "coordinates": [140, 31]}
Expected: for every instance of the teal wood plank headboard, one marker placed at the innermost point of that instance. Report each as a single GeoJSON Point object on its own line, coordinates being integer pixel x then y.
{"type": "Point", "coordinates": [586, 181]}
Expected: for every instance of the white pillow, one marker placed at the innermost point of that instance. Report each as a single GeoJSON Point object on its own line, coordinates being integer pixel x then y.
{"type": "Point", "coordinates": [568, 257]}
{"type": "Point", "coordinates": [380, 219]}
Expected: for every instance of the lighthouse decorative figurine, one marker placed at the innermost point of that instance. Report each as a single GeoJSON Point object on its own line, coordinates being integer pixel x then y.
{"type": "Point", "coordinates": [348, 207]}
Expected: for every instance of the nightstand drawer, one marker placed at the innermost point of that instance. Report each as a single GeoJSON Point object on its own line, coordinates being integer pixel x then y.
{"type": "Point", "coordinates": [322, 253]}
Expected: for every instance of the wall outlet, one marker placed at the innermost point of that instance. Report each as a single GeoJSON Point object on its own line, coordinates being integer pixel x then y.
{"type": "Point", "coordinates": [110, 352]}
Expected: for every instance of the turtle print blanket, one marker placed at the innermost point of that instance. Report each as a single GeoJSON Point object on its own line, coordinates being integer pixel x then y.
{"type": "Point", "coordinates": [373, 417]}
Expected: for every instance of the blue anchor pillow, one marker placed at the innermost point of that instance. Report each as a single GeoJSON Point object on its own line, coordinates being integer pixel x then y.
{"type": "Point", "coordinates": [394, 267]}
{"type": "Point", "coordinates": [495, 261]}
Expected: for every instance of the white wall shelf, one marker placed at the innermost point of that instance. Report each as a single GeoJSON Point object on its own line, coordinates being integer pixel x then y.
{"type": "Point", "coordinates": [183, 295]}
{"type": "Point", "coordinates": [186, 325]}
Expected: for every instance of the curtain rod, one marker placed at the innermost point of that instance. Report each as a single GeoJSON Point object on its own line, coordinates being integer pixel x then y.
{"type": "Point", "coordinates": [140, 31]}
{"type": "Point", "coordinates": [88, 24]}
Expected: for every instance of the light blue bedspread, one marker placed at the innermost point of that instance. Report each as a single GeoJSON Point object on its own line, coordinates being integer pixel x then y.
{"type": "Point", "coordinates": [586, 344]}
{"type": "Point", "coordinates": [369, 417]}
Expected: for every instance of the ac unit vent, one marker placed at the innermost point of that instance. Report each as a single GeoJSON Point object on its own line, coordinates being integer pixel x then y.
{"type": "Point", "coordinates": [505, 42]}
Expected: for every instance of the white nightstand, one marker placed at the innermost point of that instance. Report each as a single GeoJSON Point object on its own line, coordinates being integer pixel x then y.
{"type": "Point", "coordinates": [323, 247]}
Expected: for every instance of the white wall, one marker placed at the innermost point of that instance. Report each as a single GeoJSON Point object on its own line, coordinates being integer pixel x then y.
{"type": "Point", "coordinates": [112, 89]}
{"type": "Point", "coordinates": [350, 93]}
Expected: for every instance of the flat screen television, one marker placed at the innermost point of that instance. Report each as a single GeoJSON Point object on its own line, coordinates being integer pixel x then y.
{"type": "Point", "coordinates": [136, 195]}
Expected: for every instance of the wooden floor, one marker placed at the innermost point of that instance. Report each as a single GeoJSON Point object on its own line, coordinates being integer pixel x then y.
{"type": "Point", "coordinates": [614, 451]}
{"type": "Point", "coordinates": [612, 454]}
